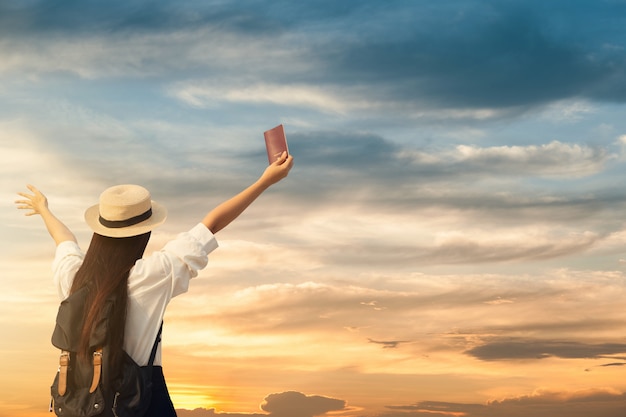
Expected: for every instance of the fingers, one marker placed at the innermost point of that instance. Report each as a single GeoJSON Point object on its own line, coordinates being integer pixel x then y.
{"type": "Point", "coordinates": [278, 169]}
{"type": "Point", "coordinates": [24, 205]}
{"type": "Point", "coordinates": [30, 201]}
{"type": "Point", "coordinates": [32, 211]}
{"type": "Point", "coordinates": [288, 163]}
{"type": "Point", "coordinates": [35, 190]}
{"type": "Point", "coordinates": [281, 159]}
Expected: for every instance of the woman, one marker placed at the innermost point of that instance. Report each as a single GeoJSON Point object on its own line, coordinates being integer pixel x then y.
{"type": "Point", "coordinates": [113, 264]}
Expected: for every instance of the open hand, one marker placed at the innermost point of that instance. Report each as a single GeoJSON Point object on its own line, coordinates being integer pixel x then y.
{"type": "Point", "coordinates": [35, 202]}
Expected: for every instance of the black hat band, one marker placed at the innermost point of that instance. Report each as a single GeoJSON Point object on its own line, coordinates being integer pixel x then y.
{"type": "Point", "coordinates": [117, 224]}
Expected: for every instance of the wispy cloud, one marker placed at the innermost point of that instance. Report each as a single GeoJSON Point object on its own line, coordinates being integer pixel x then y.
{"type": "Point", "coordinates": [540, 349]}
{"type": "Point", "coordinates": [198, 93]}
{"type": "Point", "coordinates": [542, 403]}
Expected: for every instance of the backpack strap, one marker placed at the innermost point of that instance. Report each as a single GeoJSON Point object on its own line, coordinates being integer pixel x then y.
{"type": "Point", "coordinates": [97, 369]}
{"type": "Point", "coordinates": [154, 347]}
{"type": "Point", "coordinates": [64, 364]}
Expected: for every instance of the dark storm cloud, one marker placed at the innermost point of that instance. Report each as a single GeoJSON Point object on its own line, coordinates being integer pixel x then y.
{"type": "Point", "coordinates": [541, 349]}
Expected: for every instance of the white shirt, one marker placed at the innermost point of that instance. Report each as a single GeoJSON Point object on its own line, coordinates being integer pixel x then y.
{"type": "Point", "coordinates": [152, 283]}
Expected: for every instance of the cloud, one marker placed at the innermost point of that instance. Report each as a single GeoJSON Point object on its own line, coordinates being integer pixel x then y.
{"type": "Point", "coordinates": [469, 188]}
{"type": "Point", "coordinates": [493, 56]}
{"type": "Point", "coordinates": [519, 349]}
{"type": "Point", "coordinates": [567, 111]}
{"type": "Point", "coordinates": [155, 40]}
{"type": "Point", "coordinates": [467, 247]}
{"type": "Point", "coordinates": [542, 403]}
{"type": "Point", "coordinates": [449, 155]}
{"type": "Point", "coordinates": [462, 249]}
{"type": "Point", "coordinates": [137, 55]}
{"type": "Point", "coordinates": [600, 402]}
{"type": "Point", "coordinates": [296, 404]}
{"type": "Point", "coordinates": [552, 159]}
{"type": "Point", "coordinates": [323, 99]}
{"type": "Point", "coordinates": [411, 315]}
{"type": "Point", "coordinates": [40, 17]}
{"type": "Point", "coordinates": [284, 404]}
{"type": "Point", "coordinates": [499, 180]}
{"type": "Point", "coordinates": [384, 157]}
{"type": "Point", "coordinates": [388, 344]}
{"type": "Point", "coordinates": [614, 364]}
{"type": "Point", "coordinates": [202, 412]}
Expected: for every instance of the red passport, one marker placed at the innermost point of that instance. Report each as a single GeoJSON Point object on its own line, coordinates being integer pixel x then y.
{"type": "Point", "coordinates": [275, 142]}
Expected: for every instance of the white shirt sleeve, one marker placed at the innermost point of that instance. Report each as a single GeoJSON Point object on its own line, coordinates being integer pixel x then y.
{"type": "Point", "coordinates": [155, 280]}
{"type": "Point", "coordinates": [67, 259]}
{"type": "Point", "coordinates": [170, 269]}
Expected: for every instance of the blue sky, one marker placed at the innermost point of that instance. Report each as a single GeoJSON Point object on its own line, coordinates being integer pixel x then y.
{"type": "Point", "coordinates": [449, 241]}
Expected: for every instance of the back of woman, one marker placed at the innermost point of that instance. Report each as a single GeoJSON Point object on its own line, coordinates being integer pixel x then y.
{"type": "Point", "coordinates": [114, 265]}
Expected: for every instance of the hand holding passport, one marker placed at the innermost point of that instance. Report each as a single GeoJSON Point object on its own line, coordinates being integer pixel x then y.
{"type": "Point", "coordinates": [275, 142]}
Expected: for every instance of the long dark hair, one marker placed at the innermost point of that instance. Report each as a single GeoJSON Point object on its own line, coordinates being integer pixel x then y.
{"type": "Point", "coordinates": [105, 270]}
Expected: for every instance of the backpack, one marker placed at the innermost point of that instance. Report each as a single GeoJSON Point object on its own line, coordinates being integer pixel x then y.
{"type": "Point", "coordinates": [90, 388]}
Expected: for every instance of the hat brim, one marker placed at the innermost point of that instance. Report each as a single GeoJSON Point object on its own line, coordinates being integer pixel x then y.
{"type": "Point", "coordinates": [92, 217]}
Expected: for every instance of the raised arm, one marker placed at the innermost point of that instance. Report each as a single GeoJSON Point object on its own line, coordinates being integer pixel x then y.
{"type": "Point", "coordinates": [223, 214]}
{"type": "Point", "coordinates": [37, 203]}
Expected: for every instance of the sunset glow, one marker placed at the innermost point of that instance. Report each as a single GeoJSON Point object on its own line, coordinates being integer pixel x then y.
{"type": "Point", "coordinates": [450, 242]}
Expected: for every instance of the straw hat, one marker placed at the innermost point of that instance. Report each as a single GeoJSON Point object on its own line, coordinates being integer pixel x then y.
{"type": "Point", "coordinates": [125, 210]}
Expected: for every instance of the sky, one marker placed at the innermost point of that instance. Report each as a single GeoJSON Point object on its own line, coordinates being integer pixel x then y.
{"type": "Point", "coordinates": [449, 243]}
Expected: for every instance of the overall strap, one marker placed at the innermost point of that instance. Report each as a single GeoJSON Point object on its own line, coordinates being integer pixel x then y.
{"type": "Point", "coordinates": [154, 347]}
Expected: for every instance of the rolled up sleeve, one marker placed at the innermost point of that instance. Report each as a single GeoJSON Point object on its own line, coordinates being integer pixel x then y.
{"type": "Point", "coordinates": [188, 254]}
{"type": "Point", "coordinates": [169, 270]}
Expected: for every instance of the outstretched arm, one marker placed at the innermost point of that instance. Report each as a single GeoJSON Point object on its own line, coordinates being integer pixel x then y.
{"type": "Point", "coordinates": [37, 203]}
{"type": "Point", "coordinates": [222, 215]}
